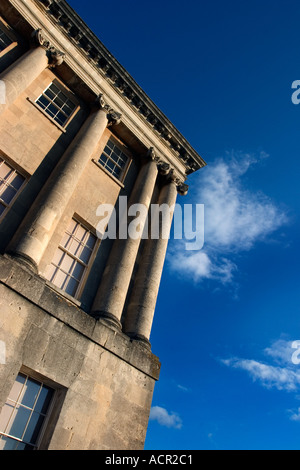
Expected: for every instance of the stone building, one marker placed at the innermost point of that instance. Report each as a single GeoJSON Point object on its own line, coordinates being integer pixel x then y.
{"type": "Point", "coordinates": [77, 133]}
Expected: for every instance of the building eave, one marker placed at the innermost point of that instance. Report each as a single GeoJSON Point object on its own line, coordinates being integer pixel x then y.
{"type": "Point", "coordinates": [110, 69]}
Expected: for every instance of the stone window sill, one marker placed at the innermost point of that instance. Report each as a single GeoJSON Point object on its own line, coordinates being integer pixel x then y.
{"type": "Point", "coordinates": [63, 294]}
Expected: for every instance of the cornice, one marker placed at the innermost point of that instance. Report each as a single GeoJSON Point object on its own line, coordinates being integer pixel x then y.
{"type": "Point", "coordinates": [109, 68]}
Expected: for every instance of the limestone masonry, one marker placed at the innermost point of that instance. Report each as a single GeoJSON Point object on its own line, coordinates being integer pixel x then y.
{"type": "Point", "coordinates": [76, 132]}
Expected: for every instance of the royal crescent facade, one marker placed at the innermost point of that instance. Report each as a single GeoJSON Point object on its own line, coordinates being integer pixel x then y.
{"type": "Point", "coordinates": [77, 371]}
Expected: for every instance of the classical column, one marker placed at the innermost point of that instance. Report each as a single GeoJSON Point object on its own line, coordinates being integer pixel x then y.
{"type": "Point", "coordinates": [28, 67]}
{"type": "Point", "coordinates": [110, 299]}
{"type": "Point", "coordinates": [39, 224]}
{"type": "Point", "coordinates": [140, 312]}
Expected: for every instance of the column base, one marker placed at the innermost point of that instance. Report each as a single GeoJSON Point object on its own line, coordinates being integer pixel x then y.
{"type": "Point", "coordinates": [108, 318]}
{"type": "Point", "coordinates": [24, 259]}
{"type": "Point", "coordinates": [140, 338]}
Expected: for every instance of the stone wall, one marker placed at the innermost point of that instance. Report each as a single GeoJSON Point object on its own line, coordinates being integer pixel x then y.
{"type": "Point", "coordinates": [104, 381]}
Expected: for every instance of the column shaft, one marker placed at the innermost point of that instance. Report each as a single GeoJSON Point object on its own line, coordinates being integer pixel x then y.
{"type": "Point", "coordinates": [22, 73]}
{"type": "Point", "coordinates": [141, 307]}
{"type": "Point", "coordinates": [111, 296]}
{"type": "Point", "coordinates": [35, 232]}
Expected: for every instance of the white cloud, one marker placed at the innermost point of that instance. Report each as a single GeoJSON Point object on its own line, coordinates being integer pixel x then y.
{"type": "Point", "coordinates": [199, 265]}
{"type": "Point", "coordinates": [281, 378]}
{"type": "Point", "coordinates": [285, 376]}
{"type": "Point", "coordinates": [281, 351]}
{"type": "Point", "coordinates": [235, 220]}
{"type": "Point", "coordinates": [295, 416]}
{"type": "Point", "coordinates": [164, 418]}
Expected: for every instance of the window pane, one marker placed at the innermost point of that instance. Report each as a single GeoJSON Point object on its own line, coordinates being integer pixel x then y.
{"type": "Point", "coordinates": [43, 102]}
{"type": "Point", "coordinates": [77, 271]}
{"type": "Point", "coordinates": [31, 391]}
{"type": "Point", "coordinates": [17, 181]}
{"type": "Point", "coordinates": [4, 41]}
{"type": "Point", "coordinates": [113, 159]}
{"type": "Point", "coordinates": [71, 286]}
{"type": "Point", "coordinates": [78, 244]}
{"type": "Point", "coordinates": [90, 241]}
{"type": "Point", "coordinates": [85, 255]}
{"type": "Point", "coordinates": [5, 171]}
{"type": "Point", "coordinates": [80, 232]}
{"type": "Point", "coordinates": [74, 247]}
{"type": "Point", "coordinates": [103, 159]}
{"type": "Point", "coordinates": [5, 415]}
{"type": "Point", "coordinates": [67, 263]}
{"type": "Point", "coordinates": [60, 279]}
{"type": "Point", "coordinates": [44, 400]}
{"type": "Point", "coordinates": [59, 101]}
{"type": "Point", "coordinates": [54, 88]}
{"type": "Point", "coordinates": [33, 428]}
{"type": "Point", "coordinates": [56, 104]}
{"type": "Point", "coordinates": [7, 194]}
{"type": "Point", "coordinates": [110, 144]}
{"type": "Point", "coordinates": [18, 423]}
{"type": "Point", "coordinates": [17, 387]}
{"type": "Point", "coordinates": [6, 443]}
{"type": "Point", "coordinates": [60, 118]}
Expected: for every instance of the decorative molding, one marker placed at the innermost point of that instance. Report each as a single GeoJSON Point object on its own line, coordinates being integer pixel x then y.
{"type": "Point", "coordinates": [168, 172]}
{"type": "Point", "coordinates": [183, 189]}
{"type": "Point", "coordinates": [114, 118]}
{"type": "Point", "coordinates": [151, 154]}
{"type": "Point", "coordinates": [96, 53]}
{"type": "Point", "coordinates": [56, 57]}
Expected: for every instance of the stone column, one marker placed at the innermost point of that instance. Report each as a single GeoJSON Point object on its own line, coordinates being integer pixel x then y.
{"type": "Point", "coordinates": [39, 224]}
{"type": "Point", "coordinates": [140, 312]}
{"type": "Point", "coordinates": [28, 67]}
{"type": "Point", "coordinates": [110, 299]}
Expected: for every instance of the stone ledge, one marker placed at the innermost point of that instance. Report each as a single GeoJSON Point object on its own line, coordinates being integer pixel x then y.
{"type": "Point", "coordinates": [35, 289]}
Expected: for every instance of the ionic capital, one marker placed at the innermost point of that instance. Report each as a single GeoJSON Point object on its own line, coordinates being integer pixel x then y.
{"type": "Point", "coordinates": [163, 167]}
{"type": "Point", "coordinates": [56, 57]}
{"type": "Point", "coordinates": [151, 154]}
{"type": "Point", "coordinates": [182, 188]}
{"type": "Point", "coordinates": [113, 117]}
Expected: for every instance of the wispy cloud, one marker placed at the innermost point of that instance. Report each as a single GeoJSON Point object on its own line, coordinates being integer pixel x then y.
{"type": "Point", "coordinates": [283, 375]}
{"type": "Point", "coordinates": [236, 218]}
{"type": "Point", "coordinates": [282, 378]}
{"type": "Point", "coordinates": [165, 418]}
{"type": "Point", "coordinates": [183, 388]}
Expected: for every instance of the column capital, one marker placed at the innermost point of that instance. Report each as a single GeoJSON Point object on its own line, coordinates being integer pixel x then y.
{"type": "Point", "coordinates": [56, 57]}
{"type": "Point", "coordinates": [166, 170]}
{"type": "Point", "coordinates": [113, 116]}
{"type": "Point", "coordinates": [182, 188]}
{"type": "Point", "coordinates": [163, 167]}
{"type": "Point", "coordinates": [151, 155]}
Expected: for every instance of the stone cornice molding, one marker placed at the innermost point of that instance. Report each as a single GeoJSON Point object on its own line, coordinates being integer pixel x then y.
{"type": "Point", "coordinates": [96, 53]}
{"type": "Point", "coordinates": [56, 57]}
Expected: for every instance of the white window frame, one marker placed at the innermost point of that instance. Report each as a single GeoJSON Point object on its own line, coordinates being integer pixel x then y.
{"type": "Point", "coordinates": [17, 405]}
{"type": "Point", "coordinates": [106, 168]}
{"type": "Point", "coordinates": [69, 98]}
{"type": "Point", "coordinates": [65, 251]}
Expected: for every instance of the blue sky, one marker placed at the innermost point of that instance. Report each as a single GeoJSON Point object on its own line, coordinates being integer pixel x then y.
{"type": "Point", "coordinates": [227, 315]}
